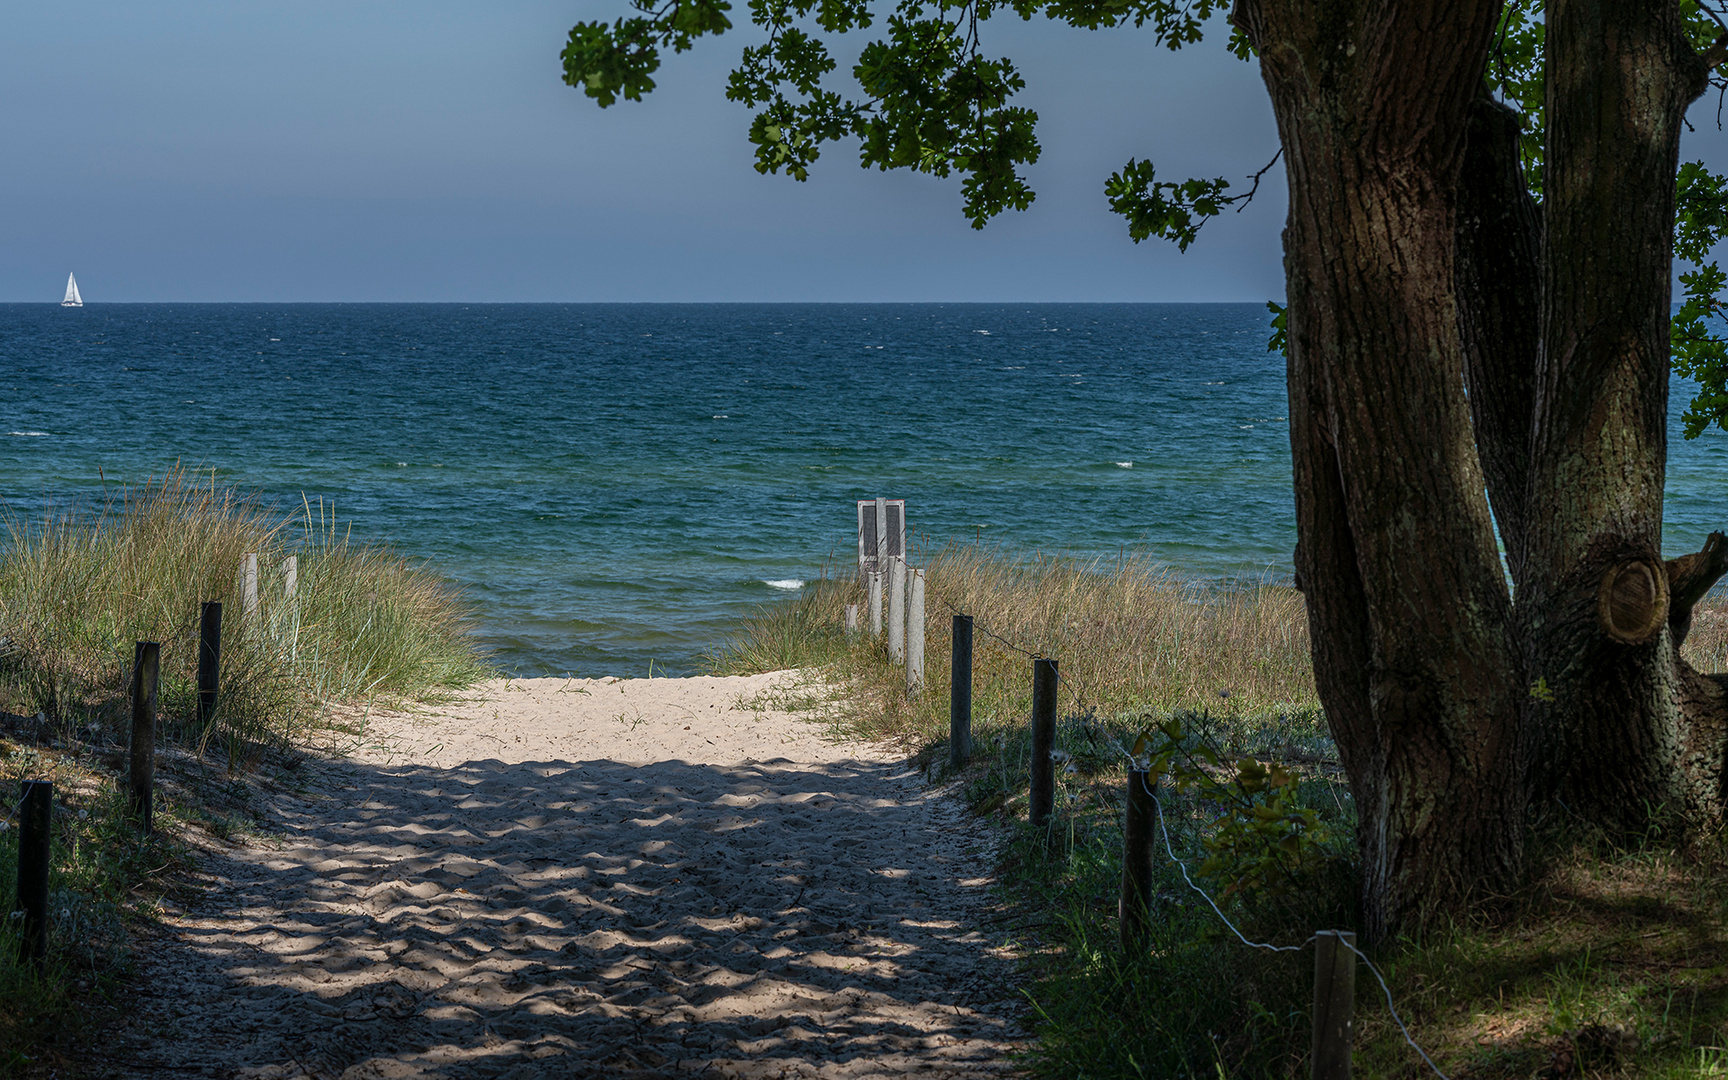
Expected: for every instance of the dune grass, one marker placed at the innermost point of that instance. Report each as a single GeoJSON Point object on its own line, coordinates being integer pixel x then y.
{"type": "Point", "coordinates": [1611, 961]}
{"type": "Point", "coordinates": [78, 590]}
{"type": "Point", "coordinates": [1129, 636]}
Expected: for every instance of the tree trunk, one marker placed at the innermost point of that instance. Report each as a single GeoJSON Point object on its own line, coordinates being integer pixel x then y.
{"type": "Point", "coordinates": [1611, 739]}
{"type": "Point", "coordinates": [1498, 279]}
{"type": "Point", "coordinates": [1408, 609]}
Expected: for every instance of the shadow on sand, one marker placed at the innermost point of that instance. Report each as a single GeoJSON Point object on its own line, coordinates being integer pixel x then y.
{"type": "Point", "coordinates": [589, 919]}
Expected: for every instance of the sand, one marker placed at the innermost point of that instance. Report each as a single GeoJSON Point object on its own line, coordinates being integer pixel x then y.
{"type": "Point", "coordinates": [610, 878]}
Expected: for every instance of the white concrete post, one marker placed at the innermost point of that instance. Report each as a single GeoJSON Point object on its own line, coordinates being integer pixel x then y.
{"type": "Point", "coordinates": [897, 608]}
{"type": "Point", "coordinates": [915, 635]}
{"type": "Point", "coordinates": [875, 605]}
{"type": "Point", "coordinates": [249, 587]}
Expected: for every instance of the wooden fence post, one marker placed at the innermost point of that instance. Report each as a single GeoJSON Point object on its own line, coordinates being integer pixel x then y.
{"type": "Point", "coordinates": [1134, 909]}
{"type": "Point", "coordinates": [915, 635]}
{"type": "Point", "coordinates": [290, 576]}
{"type": "Point", "coordinates": [1334, 1004]}
{"type": "Point", "coordinates": [960, 695]}
{"type": "Point", "coordinates": [209, 660]}
{"type": "Point", "coordinates": [875, 605]}
{"type": "Point", "coordinates": [1043, 787]}
{"type": "Point", "coordinates": [146, 665]}
{"type": "Point", "coordinates": [33, 839]}
{"type": "Point", "coordinates": [249, 589]}
{"type": "Point", "coordinates": [851, 621]}
{"type": "Point", "coordinates": [897, 609]}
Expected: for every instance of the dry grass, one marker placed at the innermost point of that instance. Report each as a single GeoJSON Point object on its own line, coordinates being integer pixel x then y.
{"type": "Point", "coordinates": [1608, 964]}
{"type": "Point", "coordinates": [1128, 635]}
{"type": "Point", "coordinates": [77, 591]}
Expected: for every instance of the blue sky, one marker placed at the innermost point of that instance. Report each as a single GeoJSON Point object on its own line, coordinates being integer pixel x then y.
{"type": "Point", "coordinates": [429, 151]}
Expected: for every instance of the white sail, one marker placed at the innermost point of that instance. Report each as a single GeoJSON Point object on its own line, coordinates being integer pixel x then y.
{"type": "Point", "coordinates": [72, 297]}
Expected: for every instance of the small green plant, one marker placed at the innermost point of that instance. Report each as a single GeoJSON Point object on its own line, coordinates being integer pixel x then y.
{"type": "Point", "coordinates": [1263, 841]}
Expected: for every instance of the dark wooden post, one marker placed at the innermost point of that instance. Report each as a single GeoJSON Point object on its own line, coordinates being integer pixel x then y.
{"type": "Point", "coordinates": [1134, 909]}
{"type": "Point", "coordinates": [1334, 1004]}
{"type": "Point", "coordinates": [1043, 790]}
{"type": "Point", "coordinates": [33, 837]}
{"type": "Point", "coordinates": [960, 695]}
{"type": "Point", "coordinates": [146, 667]}
{"type": "Point", "coordinates": [209, 660]}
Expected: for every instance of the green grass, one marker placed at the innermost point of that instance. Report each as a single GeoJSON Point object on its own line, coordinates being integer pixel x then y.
{"type": "Point", "coordinates": [1610, 962]}
{"type": "Point", "coordinates": [77, 591]}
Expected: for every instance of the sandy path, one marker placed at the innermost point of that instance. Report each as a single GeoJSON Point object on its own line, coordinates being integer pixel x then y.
{"type": "Point", "coordinates": [568, 878]}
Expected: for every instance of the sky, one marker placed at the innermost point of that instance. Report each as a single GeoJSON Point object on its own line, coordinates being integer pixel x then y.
{"type": "Point", "coordinates": [379, 150]}
{"type": "Point", "coordinates": [429, 151]}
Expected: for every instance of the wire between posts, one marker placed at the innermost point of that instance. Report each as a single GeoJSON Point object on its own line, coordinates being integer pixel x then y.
{"type": "Point", "coordinates": [1074, 686]}
{"type": "Point", "coordinates": [1393, 1009]}
{"type": "Point", "coordinates": [1158, 804]}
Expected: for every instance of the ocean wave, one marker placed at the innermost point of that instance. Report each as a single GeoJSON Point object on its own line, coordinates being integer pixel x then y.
{"type": "Point", "coordinates": [784, 583]}
{"type": "Point", "coordinates": [28, 434]}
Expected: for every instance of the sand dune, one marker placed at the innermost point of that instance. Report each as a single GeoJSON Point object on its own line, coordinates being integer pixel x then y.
{"type": "Point", "coordinates": [569, 878]}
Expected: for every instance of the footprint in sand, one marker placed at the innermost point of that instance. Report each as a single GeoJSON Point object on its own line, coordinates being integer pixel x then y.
{"type": "Point", "coordinates": [704, 889]}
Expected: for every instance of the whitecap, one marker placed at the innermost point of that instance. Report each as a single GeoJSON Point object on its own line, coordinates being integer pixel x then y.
{"type": "Point", "coordinates": [28, 434]}
{"type": "Point", "coordinates": [1124, 464]}
{"type": "Point", "coordinates": [783, 583]}
{"type": "Point", "coordinates": [721, 416]}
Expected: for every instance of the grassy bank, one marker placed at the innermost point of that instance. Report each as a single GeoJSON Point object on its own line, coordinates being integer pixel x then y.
{"type": "Point", "coordinates": [1610, 962]}
{"type": "Point", "coordinates": [77, 590]}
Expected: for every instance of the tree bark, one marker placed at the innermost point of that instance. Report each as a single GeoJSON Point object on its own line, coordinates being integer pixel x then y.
{"type": "Point", "coordinates": [1499, 277]}
{"type": "Point", "coordinates": [1594, 613]}
{"type": "Point", "coordinates": [1408, 609]}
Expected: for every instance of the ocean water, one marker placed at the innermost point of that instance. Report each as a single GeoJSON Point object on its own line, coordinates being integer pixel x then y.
{"type": "Point", "coordinates": [614, 485]}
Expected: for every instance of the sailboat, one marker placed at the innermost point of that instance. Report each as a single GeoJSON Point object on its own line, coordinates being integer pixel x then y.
{"type": "Point", "coordinates": [72, 297]}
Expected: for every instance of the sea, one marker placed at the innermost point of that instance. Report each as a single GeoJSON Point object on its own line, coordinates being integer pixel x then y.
{"type": "Point", "coordinates": [614, 486]}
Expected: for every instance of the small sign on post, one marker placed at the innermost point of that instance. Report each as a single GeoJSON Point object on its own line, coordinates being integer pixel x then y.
{"type": "Point", "coordinates": [881, 534]}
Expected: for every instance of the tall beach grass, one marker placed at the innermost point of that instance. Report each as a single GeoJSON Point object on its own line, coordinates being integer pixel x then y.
{"type": "Point", "coordinates": [78, 589]}
{"type": "Point", "coordinates": [1129, 636]}
{"type": "Point", "coordinates": [1607, 963]}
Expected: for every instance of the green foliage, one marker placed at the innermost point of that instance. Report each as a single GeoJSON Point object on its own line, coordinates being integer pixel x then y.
{"type": "Point", "coordinates": [1279, 342]}
{"type": "Point", "coordinates": [1700, 222]}
{"type": "Point", "coordinates": [1264, 841]}
{"type": "Point", "coordinates": [925, 97]}
{"type": "Point", "coordinates": [1701, 201]}
{"type": "Point", "coordinates": [1172, 210]}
